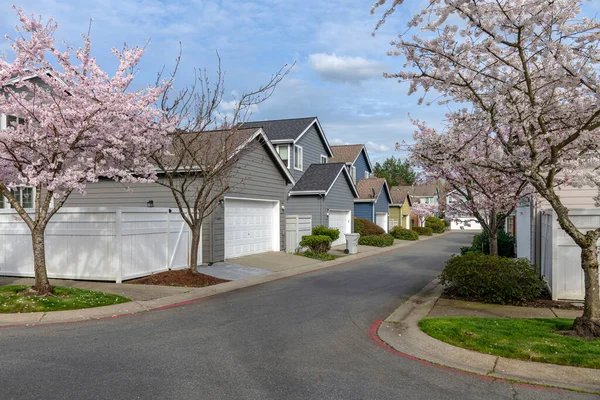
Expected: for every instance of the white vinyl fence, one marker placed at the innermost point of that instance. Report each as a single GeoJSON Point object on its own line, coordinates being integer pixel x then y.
{"type": "Point", "coordinates": [112, 244]}
{"type": "Point", "coordinates": [561, 257]}
{"type": "Point", "coordinates": [296, 226]}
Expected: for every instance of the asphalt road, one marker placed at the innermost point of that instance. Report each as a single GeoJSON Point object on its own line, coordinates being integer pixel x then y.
{"type": "Point", "coordinates": [305, 337]}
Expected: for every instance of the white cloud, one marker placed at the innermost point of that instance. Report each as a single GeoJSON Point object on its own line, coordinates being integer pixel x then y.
{"type": "Point", "coordinates": [344, 69]}
{"type": "Point", "coordinates": [337, 142]}
{"type": "Point", "coordinates": [376, 148]}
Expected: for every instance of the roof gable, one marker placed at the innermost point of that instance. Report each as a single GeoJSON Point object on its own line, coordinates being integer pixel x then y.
{"type": "Point", "coordinates": [370, 189]}
{"type": "Point", "coordinates": [349, 153]}
{"type": "Point", "coordinates": [400, 194]}
{"type": "Point", "coordinates": [319, 179]}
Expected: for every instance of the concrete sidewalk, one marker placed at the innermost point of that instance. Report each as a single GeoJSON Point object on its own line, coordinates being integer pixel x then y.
{"type": "Point", "coordinates": [401, 332]}
{"type": "Point", "coordinates": [150, 297]}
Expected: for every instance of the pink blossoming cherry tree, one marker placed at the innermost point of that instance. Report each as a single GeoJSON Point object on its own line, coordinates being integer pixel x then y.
{"type": "Point", "coordinates": [70, 123]}
{"type": "Point", "coordinates": [529, 71]}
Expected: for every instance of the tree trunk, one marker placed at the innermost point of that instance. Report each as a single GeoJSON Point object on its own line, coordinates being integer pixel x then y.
{"type": "Point", "coordinates": [493, 243]}
{"type": "Point", "coordinates": [42, 285]}
{"type": "Point", "coordinates": [588, 325]}
{"type": "Point", "coordinates": [196, 237]}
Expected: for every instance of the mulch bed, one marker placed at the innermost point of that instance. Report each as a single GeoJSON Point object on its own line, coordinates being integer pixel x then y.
{"type": "Point", "coordinates": [178, 278]}
{"type": "Point", "coordinates": [543, 302]}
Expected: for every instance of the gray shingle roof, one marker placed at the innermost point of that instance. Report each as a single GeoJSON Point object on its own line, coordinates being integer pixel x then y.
{"type": "Point", "coordinates": [282, 129]}
{"type": "Point", "coordinates": [318, 177]}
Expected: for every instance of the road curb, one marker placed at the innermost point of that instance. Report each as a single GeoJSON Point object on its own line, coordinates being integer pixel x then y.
{"type": "Point", "coordinates": [136, 307]}
{"type": "Point", "coordinates": [400, 331]}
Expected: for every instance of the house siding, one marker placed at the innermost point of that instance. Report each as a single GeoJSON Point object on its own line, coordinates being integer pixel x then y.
{"type": "Point", "coordinates": [405, 212]}
{"type": "Point", "coordinates": [312, 149]}
{"type": "Point", "coordinates": [340, 197]}
{"type": "Point", "coordinates": [364, 210]}
{"type": "Point", "coordinates": [256, 176]}
{"type": "Point", "coordinates": [382, 205]}
{"type": "Point", "coordinates": [361, 164]}
{"type": "Point", "coordinates": [395, 214]}
{"type": "Point", "coordinates": [313, 205]}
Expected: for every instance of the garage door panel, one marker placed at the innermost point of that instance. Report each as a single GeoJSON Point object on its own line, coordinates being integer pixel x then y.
{"type": "Point", "coordinates": [250, 227]}
{"type": "Point", "coordinates": [341, 220]}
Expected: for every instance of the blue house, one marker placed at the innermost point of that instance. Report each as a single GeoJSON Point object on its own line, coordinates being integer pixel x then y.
{"type": "Point", "coordinates": [356, 158]}
{"type": "Point", "coordinates": [374, 201]}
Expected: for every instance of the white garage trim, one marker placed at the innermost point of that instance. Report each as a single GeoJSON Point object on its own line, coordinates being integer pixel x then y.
{"type": "Point", "coordinates": [342, 220]}
{"type": "Point", "coordinates": [251, 226]}
{"type": "Point", "coordinates": [381, 219]}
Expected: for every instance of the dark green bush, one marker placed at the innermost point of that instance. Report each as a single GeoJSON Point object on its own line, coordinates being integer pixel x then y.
{"type": "Point", "coordinates": [318, 244]}
{"type": "Point", "coordinates": [322, 230]}
{"type": "Point", "coordinates": [366, 227]}
{"type": "Point", "coordinates": [436, 224]}
{"type": "Point", "coordinates": [447, 223]}
{"type": "Point", "coordinates": [423, 231]}
{"type": "Point", "coordinates": [404, 234]}
{"type": "Point", "coordinates": [491, 279]}
{"type": "Point", "coordinates": [506, 244]}
{"type": "Point", "coordinates": [377, 240]}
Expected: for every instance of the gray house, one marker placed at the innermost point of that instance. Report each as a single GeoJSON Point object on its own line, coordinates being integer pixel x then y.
{"type": "Point", "coordinates": [326, 193]}
{"type": "Point", "coordinates": [300, 142]}
{"type": "Point", "coordinates": [250, 217]}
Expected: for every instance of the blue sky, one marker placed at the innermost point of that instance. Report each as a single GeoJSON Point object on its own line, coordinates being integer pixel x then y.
{"type": "Point", "coordinates": [339, 65]}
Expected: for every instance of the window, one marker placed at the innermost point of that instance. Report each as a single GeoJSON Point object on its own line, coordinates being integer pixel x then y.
{"type": "Point", "coordinates": [24, 195]}
{"type": "Point", "coordinates": [284, 153]}
{"type": "Point", "coordinates": [323, 159]}
{"type": "Point", "coordinates": [298, 158]}
{"type": "Point", "coordinates": [367, 175]}
{"type": "Point", "coordinates": [13, 121]}
{"type": "Point", "coordinates": [353, 173]}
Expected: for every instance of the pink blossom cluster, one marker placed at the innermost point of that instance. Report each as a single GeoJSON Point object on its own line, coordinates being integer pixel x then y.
{"type": "Point", "coordinates": [78, 124]}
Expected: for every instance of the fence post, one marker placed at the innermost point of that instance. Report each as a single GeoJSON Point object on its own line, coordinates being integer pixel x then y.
{"type": "Point", "coordinates": [167, 258]}
{"type": "Point", "coordinates": [118, 245]}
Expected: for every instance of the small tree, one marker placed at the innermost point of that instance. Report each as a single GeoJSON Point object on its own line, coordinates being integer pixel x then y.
{"type": "Point", "coordinates": [72, 125]}
{"type": "Point", "coordinates": [396, 172]}
{"type": "Point", "coordinates": [487, 195]}
{"type": "Point", "coordinates": [530, 71]}
{"type": "Point", "coordinates": [199, 165]}
{"type": "Point", "coordinates": [422, 211]}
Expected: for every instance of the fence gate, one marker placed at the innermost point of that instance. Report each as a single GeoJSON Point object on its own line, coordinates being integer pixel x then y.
{"type": "Point", "coordinates": [296, 226]}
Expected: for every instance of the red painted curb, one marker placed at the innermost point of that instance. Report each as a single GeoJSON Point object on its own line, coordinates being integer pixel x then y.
{"type": "Point", "coordinates": [375, 338]}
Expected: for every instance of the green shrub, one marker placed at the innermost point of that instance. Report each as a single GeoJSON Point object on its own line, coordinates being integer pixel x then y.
{"type": "Point", "coordinates": [491, 279]}
{"type": "Point", "coordinates": [377, 240]}
{"type": "Point", "coordinates": [468, 249]}
{"type": "Point", "coordinates": [366, 227]}
{"type": "Point", "coordinates": [447, 223]}
{"type": "Point", "coordinates": [436, 224]}
{"type": "Point", "coordinates": [322, 230]}
{"type": "Point", "coordinates": [506, 244]}
{"type": "Point", "coordinates": [321, 256]}
{"type": "Point", "coordinates": [318, 244]}
{"type": "Point", "coordinates": [423, 231]}
{"type": "Point", "coordinates": [404, 234]}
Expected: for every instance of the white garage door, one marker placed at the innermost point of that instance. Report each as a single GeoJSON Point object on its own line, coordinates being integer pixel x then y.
{"type": "Point", "coordinates": [341, 220]}
{"type": "Point", "coordinates": [381, 219]}
{"type": "Point", "coordinates": [251, 227]}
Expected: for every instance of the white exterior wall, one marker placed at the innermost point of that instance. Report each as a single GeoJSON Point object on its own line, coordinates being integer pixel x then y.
{"type": "Point", "coordinates": [111, 244]}
{"type": "Point", "coordinates": [523, 215]}
{"type": "Point", "coordinates": [561, 257]}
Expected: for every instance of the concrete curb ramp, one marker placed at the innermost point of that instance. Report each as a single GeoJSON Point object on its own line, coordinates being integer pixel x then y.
{"type": "Point", "coordinates": [194, 294]}
{"type": "Point", "coordinates": [401, 332]}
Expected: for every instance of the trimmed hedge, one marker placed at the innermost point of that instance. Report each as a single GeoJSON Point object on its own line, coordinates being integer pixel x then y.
{"type": "Point", "coordinates": [320, 256]}
{"type": "Point", "coordinates": [492, 279]}
{"type": "Point", "coordinates": [423, 231]}
{"type": "Point", "coordinates": [404, 234]}
{"type": "Point", "coordinates": [366, 227]}
{"type": "Point", "coordinates": [318, 244]}
{"type": "Point", "coordinates": [322, 230]}
{"type": "Point", "coordinates": [377, 240]}
{"type": "Point", "coordinates": [436, 224]}
{"type": "Point", "coordinates": [447, 223]}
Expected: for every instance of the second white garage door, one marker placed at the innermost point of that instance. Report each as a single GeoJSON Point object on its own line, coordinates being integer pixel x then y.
{"type": "Point", "coordinates": [251, 227]}
{"type": "Point", "coordinates": [341, 220]}
{"type": "Point", "coordinates": [381, 219]}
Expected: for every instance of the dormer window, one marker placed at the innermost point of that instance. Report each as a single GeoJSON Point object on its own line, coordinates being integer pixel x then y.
{"type": "Point", "coordinates": [284, 153]}
{"type": "Point", "coordinates": [298, 158]}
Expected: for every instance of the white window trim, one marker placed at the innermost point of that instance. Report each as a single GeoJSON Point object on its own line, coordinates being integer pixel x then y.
{"type": "Point", "coordinates": [323, 158]}
{"type": "Point", "coordinates": [289, 155]}
{"type": "Point", "coordinates": [353, 173]}
{"type": "Point", "coordinates": [301, 158]}
{"type": "Point", "coordinates": [33, 194]}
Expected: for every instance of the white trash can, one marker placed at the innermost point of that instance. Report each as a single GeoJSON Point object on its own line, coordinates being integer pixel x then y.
{"type": "Point", "coordinates": [352, 243]}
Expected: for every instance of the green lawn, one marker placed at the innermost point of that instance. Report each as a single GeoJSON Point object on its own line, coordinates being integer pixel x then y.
{"type": "Point", "coordinates": [526, 339]}
{"type": "Point", "coordinates": [64, 299]}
